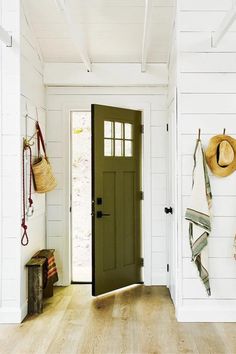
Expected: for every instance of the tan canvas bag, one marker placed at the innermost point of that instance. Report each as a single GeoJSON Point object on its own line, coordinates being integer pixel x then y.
{"type": "Point", "coordinates": [44, 179]}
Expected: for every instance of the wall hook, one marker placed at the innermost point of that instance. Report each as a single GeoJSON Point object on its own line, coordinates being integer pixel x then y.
{"type": "Point", "coordinates": [224, 131]}
{"type": "Point", "coordinates": [27, 141]}
{"type": "Point", "coordinates": [199, 134]}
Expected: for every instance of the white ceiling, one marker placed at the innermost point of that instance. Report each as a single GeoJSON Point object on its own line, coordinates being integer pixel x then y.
{"type": "Point", "coordinates": [113, 30]}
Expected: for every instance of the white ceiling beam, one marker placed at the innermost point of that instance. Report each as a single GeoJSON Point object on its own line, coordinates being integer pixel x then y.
{"type": "Point", "coordinates": [25, 9]}
{"type": "Point", "coordinates": [77, 35]}
{"type": "Point", "coordinates": [105, 75]}
{"type": "Point", "coordinates": [228, 20]}
{"type": "Point", "coordinates": [5, 37]}
{"type": "Point", "coordinates": [146, 33]}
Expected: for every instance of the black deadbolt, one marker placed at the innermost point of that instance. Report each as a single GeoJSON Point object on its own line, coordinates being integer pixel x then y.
{"type": "Point", "coordinates": [99, 201]}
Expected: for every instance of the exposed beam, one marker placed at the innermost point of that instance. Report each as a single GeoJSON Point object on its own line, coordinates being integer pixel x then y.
{"type": "Point", "coordinates": [25, 9]}
{"type": "Point", "coordinates": [228, 20]}
{"type": "Point", "coordinates": [146, 32]}
{"type": "Point", "coordinates": [5, 37]}
{"type": "Point", "coordinates": [77, 35]}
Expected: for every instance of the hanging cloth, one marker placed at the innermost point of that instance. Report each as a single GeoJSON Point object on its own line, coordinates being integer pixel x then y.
{"type": "Point", "coordinates": [234, 246]}
{"type": "Point", "coordinates": [198, 215]}
{"type": "Point", "coordinates": [50, 275]}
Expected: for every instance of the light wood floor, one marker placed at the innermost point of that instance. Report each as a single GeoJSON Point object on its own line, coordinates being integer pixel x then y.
{"type": "Point", "coordinates": [136, 320]}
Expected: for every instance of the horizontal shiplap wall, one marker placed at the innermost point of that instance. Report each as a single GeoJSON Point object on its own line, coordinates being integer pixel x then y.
{"type": "Point", "coordinates": [10, 167]}
{"type": "Point", "coordinates": [207, 100]}
{"type": "Point", "coordinates": [33, 104]}
{"type": "Point", "coordinates": [78, 98]}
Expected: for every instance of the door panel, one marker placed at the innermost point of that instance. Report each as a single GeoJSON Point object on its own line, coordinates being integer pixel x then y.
{"type": "Point", "coordinates": [108, 223]}
{"type": "Point", "coordinates": [129, 218]}
{"type": "Point", "coordinates": [116, 185]}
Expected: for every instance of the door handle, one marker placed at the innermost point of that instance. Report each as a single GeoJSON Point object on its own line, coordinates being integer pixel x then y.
{"type": "Point", "coordinates": [100, 214]}
{"type": "Point", "coordinates": [168, 210]}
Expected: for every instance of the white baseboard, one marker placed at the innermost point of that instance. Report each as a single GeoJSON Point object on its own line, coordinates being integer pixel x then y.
{"type": "Point", "coordinates": [185, 314]}
{"type": "Point", "coordinates": [13, 314]}
{"type": "Point", "coordinates": [24, 310]}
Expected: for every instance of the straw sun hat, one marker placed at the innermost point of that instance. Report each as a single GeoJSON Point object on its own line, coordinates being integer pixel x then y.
{"type": "Point", "coordinates": [221, 155]}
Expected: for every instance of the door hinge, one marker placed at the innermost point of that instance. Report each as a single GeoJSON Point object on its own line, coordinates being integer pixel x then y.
{"type": "Point", "coordinates": [141, 261]}
{"type": "Point", "coordinates": [167, 127]}
{"type": "Point", "coordinates": [142, 128]}
{"type": "Point", "coordinates": [70, 209]}
{"type": "Point", "coordinates": [168, 267]}
{"type": "Point", "coordinates": [141, 195]}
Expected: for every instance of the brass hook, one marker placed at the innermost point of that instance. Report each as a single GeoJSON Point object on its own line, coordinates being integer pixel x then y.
{"type": "Point", "coordinates": [27, 141]}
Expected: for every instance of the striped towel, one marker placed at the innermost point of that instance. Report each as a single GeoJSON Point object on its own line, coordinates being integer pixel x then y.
{"type": "Point", "coordinates": [198, 215]}
{"type": "Point", "coordinates": [50, 269]}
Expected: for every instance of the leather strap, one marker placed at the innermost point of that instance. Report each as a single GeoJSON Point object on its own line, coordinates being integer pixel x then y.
{"type": "Point", "coordinates": [40, 141]}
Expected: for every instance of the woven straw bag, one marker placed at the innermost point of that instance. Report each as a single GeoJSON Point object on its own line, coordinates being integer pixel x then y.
{"type": "Point", "coordinates": [44, 179]}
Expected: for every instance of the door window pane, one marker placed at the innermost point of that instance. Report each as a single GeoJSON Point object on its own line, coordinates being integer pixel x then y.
{"type": "Point", "coordinates": [108, 129]}
{"type": "Point", "coordinates": [128, 131]}
{"type": "Point", "coordinates": [118, 130]}
{"type": "Point", "coordinates": [128, 148]}
{"type": "Point", "coordinates": [118, 148]}
{"type": "Point", "coordinates": [118, 139]}
{"type": "Point", "coordinates": [108, 147]}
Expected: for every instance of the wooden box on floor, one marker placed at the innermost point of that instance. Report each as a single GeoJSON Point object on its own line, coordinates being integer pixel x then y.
{"type": "Point", "coordinates": [36, 290]}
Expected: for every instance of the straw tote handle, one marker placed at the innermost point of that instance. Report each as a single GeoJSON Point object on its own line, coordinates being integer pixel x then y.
{"type": "Point", "coordinates": [40, 139]}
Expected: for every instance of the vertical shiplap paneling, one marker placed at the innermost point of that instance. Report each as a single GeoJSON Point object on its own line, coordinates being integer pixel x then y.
{"type": "Point", "coordinates": [57, 227]}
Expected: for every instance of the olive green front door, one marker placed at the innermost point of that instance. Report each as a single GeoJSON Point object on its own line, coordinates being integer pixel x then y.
{"type": "Point", "coordinates": [116, 198]}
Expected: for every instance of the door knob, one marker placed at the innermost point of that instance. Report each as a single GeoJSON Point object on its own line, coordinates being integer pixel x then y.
{"type": "Point", "coordinates": [168, 210]}
{"type": "Point", "coordinates": [100, 214]}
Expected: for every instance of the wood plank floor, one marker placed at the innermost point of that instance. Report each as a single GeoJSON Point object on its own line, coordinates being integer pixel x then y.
{"type": "Point", "coordinates": [135, 320]}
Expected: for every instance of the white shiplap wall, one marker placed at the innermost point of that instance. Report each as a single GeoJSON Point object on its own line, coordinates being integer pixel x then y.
{"type": "Point", "coordinates": [58, 144]}
{"type": "Point", "coordinates": [207, 100]}
{"type": "Point", "coordinates": [10, 305]}
{"type": "Point", "coordinates": [21, 83]}
{"type": "Point", "coordinates": [33, 103]}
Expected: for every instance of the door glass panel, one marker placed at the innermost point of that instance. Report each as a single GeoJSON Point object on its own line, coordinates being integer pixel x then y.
{"type": "Point", "coordinates": [108, 147]}
{"type": "Point", "coordinates": [118, 147]}
{"type": "Point", "coordinates": [108, 129]}
{"type": "Point", "coordinates": [128, 148]}
{"type": "Point", "coordinates": [118, 130]}
{"type": "Point", "coordinates": [118, 139]}
{"type": "Point", "coordinates": [128, 131]}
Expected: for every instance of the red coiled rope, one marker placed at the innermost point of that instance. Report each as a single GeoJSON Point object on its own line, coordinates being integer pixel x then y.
{"type": "Point", "coordinates": [25, 238]}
